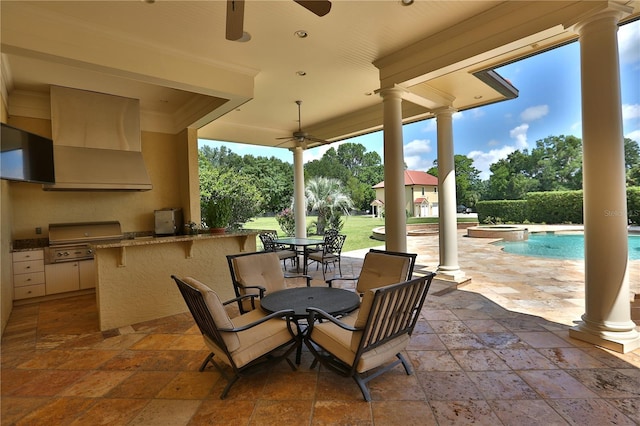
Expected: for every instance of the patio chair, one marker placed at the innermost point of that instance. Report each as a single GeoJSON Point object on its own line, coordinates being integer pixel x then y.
{"type": "Point", "coordinates": [381, 267]}
{"type": "Point", "coordinates": [284, 252]}
{"type": "Point", "coordinates": [331, 252]}
{"type": "Point", "coordinates": [382, 330]}
{"type": "Point", "coordinates": [243, 343]}
{"type": "Point", "coordinates": [257, 273]}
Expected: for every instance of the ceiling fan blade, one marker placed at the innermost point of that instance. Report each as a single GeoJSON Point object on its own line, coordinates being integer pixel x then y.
{"type": "Point", "coordinates": [319, 7]}
{"type": "Point", "coordinates": [235, 19]}
{"type": "Point", "coordinates": [314, 139]}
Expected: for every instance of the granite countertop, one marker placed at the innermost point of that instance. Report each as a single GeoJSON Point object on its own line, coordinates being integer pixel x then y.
{"type": "Point", "coordinates": [150, 239]}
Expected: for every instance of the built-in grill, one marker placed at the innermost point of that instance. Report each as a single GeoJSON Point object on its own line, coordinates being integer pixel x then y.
{"type": "Point", "coordinates": [71, 241]}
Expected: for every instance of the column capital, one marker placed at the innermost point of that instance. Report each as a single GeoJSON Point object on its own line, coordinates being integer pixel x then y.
{"type": "Point", "coordinates": [395, 92]}
{"type": "Point", "coordinates": [612, 11]}
{"type": "Point", "coordinates": [444, 111]}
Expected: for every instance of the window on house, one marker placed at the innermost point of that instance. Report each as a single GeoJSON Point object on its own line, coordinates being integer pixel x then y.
{"type": "Point", "coordinates": [435, 189]}
{"type": "Point", "coordinates": [423, 190]}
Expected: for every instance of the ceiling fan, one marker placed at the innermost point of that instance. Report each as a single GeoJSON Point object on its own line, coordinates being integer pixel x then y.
{"type": "Point", "coordinates": [235, 15]}
{"type": "Point", "coordinates": [301, 137]}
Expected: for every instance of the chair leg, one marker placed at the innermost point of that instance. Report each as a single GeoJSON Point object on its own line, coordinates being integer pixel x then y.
{"type": "Point", "coordinates": [206, 361]}
{"type": "Point", "coordinates": [363, 387]}
{"type": "Point", "coordinates": [405, 364]}
{"type": "Point", "coordinates": [230, 383]}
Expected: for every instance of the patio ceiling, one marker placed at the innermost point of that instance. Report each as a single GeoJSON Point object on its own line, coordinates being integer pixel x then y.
{"type": "Point", "coordinates": [173, 56]}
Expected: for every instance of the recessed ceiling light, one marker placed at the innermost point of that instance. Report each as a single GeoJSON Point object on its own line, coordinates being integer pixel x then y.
{"type": "Point", "coordinates": [477, 97]}
{"type": "Point", "coordinates": [245, 37]}
{"type": "Point", "coordinates": [368, 93]}
{"type": "Point", "coordinates": [301, 73]}
{"type": "Point", "coordinates": [301, 34]}
{"type": "Point", "coordinates": [406, 2]}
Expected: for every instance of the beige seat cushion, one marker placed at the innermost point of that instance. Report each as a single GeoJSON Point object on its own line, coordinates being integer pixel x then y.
{"type": "Point", "coordinates": [218, 312]}
{"type": "Point", "coordinates": [381, 269]}
{"type": "Point", "coordinates": [337, 341]}
{"type": "Point", "coordinates": [262, 269]}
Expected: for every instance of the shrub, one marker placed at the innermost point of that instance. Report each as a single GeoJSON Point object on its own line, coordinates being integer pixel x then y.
{"type": "Point", "coordinates": [287, 221]}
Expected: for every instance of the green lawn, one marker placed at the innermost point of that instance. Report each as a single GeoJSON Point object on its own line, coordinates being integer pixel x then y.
{"type": "Point", "coordinates": [356, 228]}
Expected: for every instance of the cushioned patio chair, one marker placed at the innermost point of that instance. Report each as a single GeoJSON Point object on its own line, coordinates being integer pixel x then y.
{"type": "Point", "coordinates": [257, 273]}
{"type": "Point", "coordinates": [381, 331]}
{"type": "Point", "coordinates": [331, 252]}
{"type": "Point", "coordinates": [284, 252]}
{"type": "Point", "coordinates": [244, 342]}
{"type": "Point", "coordinates": [381, 267]}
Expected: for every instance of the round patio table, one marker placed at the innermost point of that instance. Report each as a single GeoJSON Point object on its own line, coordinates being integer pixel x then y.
{"type": "Point", "coordinates": [334, 301]}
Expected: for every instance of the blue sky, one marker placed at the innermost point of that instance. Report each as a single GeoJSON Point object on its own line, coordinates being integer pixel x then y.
{"type": "Point", "coordinates": [548, 105]}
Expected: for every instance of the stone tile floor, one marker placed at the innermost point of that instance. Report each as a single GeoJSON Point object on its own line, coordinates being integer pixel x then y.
{"type": "Point", "coordinates": [495, 351]}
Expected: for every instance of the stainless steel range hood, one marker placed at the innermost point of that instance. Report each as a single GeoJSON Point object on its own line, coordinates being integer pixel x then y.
{"type": "Point", "coordinates": [93, 169]}
{"type": "Point", "coordinates": [97, 144]}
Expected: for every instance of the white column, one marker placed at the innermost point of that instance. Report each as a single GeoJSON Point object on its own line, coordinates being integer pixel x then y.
{"type": "Point", "coordinates": [299, 204]}
{"type": "Point", "coordinates": [395, 219]}
{"type": "Point", "coordinates": [607, 318]}
{"type": "Point", "coordinates": [448, 222]}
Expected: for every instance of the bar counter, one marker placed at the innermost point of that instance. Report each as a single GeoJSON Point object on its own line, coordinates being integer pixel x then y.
{"type": "Point", "coordinates": [133, 276]}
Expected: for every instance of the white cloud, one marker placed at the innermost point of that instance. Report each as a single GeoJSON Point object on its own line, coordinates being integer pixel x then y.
{"type": "Point", "coordinates": [534, 113]}
{"type": "Point", "coordinates": [483, 160]}
{"type": "Point", "coordinates": [520, 135]}
{"type": "Point", "coordinates": [317, 153]}
{"type": "Point", "coordinates": [457, 115]}
{"type": "Point", "coordinates": [418, 162]}
{"type": "Point", "coordinates": [634, 135]}
{"type": "Point", "coordinates": [629, 42]}
{"type": "Point", "coordinates": [493, 142]}
{"type": "Point", "coordinates": [630, 111]}
{"type": "Point", "coordinates": [417, 147]}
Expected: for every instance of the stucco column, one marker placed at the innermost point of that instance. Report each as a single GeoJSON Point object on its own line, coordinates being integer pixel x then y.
{"type": "Point", "coordinates": [395, 219]}
{"type": "Point", "coordinates": [607, 318]}
{"type": "Point", "coordinates": [448, 222]}
{"type": "Point", "coordinates": [299, 209]}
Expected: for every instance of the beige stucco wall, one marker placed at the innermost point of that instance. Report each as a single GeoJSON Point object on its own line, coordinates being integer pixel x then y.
{"type": "Point", "coordinates": [6, 270]}
{"type": "Point", "coordinates": [142, 288]}
{"type": "Point", "coordinates": [32, 207]}
{"type": "Point", "coordinates": [171, 166]}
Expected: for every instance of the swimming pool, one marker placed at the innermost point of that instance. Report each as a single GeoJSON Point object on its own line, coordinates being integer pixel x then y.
{"type": "Point", "coordinates": [559, 246]}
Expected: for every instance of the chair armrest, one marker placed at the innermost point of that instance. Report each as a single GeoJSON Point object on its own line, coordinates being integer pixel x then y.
{"type": "Point", "coordinates": [287, 313]}
{"type": "Point", "coordinates": [261, 289]}
{"type": "Point", "coordinates": [331, 280]}
{"type": "Point", "coordinates": [319, 313]}
{"type": "Point", "coordinates": [307, 277]}
{"type": "Point", "coordinates": [239, 298]}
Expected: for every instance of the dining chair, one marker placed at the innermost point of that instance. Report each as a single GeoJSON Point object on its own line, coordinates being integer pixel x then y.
{"type": "Point", "coordinates": [382, 330]}
{"type": "Point", "coordinates": [243, 343]}
{"type": "Point", "coordinates": [331, 252]}
{"type": "Point", "coordinates": [258, 273]}
{"type": "Point", "coordinates": [284, 252]}
{"type": "Point", "coordinates": [380, 268]}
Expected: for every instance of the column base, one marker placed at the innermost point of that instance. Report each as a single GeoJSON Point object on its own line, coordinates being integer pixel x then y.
{"type": "Point", "coordinates": [622, 342]}
{"type": "Point", "coordinates": [457, 276]}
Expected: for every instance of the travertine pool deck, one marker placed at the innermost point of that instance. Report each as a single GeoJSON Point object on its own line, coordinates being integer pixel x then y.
{"type": "Point", "coordinates": [493, 352]}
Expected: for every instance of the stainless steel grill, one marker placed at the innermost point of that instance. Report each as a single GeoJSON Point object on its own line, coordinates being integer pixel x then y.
{"type": "Point", "coordinates": [71, 241]}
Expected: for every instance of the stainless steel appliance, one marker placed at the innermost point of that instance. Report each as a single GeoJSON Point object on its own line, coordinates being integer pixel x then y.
{"type": "Point", "coordinates": [70, 242]}
{"type": "Point", "coordinates": [168, 221]}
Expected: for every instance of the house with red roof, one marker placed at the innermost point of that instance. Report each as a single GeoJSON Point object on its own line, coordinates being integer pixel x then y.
{"type": "Point", "coordinates": [421, 194]}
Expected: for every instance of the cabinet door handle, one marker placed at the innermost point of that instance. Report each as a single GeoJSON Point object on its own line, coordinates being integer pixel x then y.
{"type": "Point", "coordinates": [28, 267]}
{"type": "Point", "coordinates": [28, 279]}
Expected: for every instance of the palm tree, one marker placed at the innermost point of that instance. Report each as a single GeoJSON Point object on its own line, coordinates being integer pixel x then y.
{"type": "Point", "coordinates": [328, 197]}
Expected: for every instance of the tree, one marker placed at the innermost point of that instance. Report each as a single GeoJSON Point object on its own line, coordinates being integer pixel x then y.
{"type": "Point", "coordinates": [327, 196]}
{"type": "Point", "coordinates": [467, 180]}
{"type": "Point", "coordinates": [632, 162]}
{"type": "Point", "coordinates": [217, 182]}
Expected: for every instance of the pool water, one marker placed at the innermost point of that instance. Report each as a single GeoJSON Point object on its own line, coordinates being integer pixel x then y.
{"type": "Point", "coordinates": [559, 246]}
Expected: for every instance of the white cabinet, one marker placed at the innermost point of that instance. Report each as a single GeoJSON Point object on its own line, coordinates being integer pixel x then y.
{"type": "Point", "coordinates": [70, 276]}
{"type": "Point", "coordinates": [87, 274]}
{"type": "Point", "coordinates": [28, 274]}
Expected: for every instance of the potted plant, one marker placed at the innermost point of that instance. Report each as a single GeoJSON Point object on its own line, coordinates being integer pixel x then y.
{"type": "Point", "coordinates": [217, 213]}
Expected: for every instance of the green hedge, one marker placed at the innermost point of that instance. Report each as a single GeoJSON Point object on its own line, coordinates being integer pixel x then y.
{"type": "Point", "coordinates": [548, 207]}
